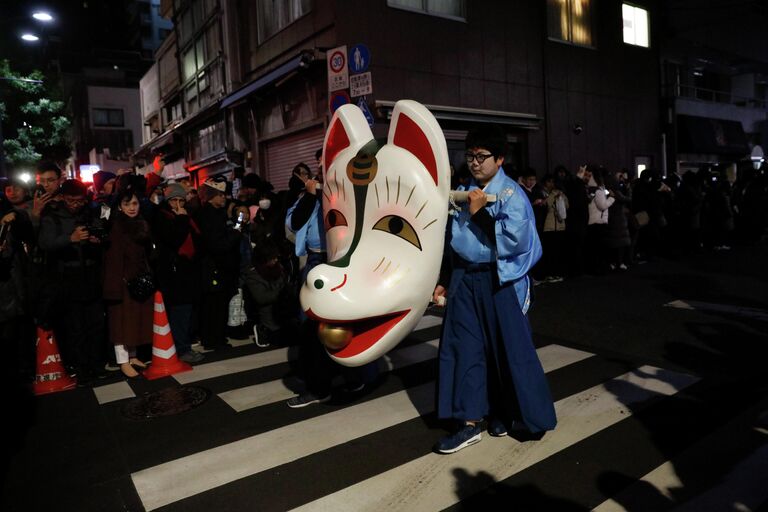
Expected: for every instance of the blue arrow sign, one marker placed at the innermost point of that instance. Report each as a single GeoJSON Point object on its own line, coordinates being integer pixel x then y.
{"type": "Point", "coordinates": [366, 111]}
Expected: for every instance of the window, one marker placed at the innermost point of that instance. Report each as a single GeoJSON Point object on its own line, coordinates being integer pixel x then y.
{"type": "Point", "coordinates": [108, 117]}
{"type": "Point", "coordinates": [635, 25]}
{"type": "Point", "coordinates": [274, 15]}
{"type": "Point", "coordinates": [447, 8]}
{"type": "Point", "coordinates": [570, 21]}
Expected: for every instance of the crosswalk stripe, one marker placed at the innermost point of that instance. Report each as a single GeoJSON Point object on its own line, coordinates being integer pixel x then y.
{"type": "Point", "coordinates": [758, 314]}
{"type": "Point", "coordinates": [113, 392]}
{"type": "Point", "coordinates": [241, 399]}
{"type": "Point", "coordinates": [257, 395]}
{"type": "Point", "coordinates": [160, 485]}
{"type": "Point", "coordinates": [262, 359]}
{"type": "Point", "coordinates": [430, 482]}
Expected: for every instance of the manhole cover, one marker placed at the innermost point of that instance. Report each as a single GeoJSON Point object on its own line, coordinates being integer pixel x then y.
{"type": "Point", "coordinates": [166, 402]}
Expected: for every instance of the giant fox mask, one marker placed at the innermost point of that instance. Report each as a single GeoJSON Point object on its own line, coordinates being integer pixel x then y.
{"type": "Point", "coordinates": [385, 210]}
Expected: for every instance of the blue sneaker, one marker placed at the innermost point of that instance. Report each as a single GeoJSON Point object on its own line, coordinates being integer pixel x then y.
{"type": "Point", "coordinates": [465, 436]}
{"type": "Point", "coordinates": [496, 428]}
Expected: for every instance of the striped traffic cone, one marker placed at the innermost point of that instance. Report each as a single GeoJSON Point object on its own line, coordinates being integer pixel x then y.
{"type": "Point", "coordinates": [164, 359]}
{"type": "Point", "coordinates": [50, 375]}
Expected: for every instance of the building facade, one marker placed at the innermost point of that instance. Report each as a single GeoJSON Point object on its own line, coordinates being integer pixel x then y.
{"type": "Point", "coordinates": [557, 75]}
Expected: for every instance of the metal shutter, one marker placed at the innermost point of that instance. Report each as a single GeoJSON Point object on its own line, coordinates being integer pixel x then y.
{"type": "Point", "coordinates": [283, 154]}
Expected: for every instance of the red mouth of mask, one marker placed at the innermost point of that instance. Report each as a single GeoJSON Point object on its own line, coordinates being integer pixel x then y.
{"type": "Point", "coordinates": [358, 335]}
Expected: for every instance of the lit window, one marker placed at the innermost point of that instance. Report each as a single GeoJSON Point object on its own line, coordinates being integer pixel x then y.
{"type": "Point", "coordinates": [275, 15]}
{"type": "Point", "coordinates": [570, 21]}
{"type": "Point", "coordinates": [446, 8]}
{"type": "Point", "coordinates": [635, 25]}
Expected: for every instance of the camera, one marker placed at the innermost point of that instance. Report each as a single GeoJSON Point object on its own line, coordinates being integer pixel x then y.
{"type": "Point", "coordinates": [98, 231]}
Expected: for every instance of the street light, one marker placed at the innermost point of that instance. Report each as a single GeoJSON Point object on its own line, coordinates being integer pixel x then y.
{"type": "Point", "coordinates": [30, 37]}
{"type": "Point", "coordinates": [42, 16]}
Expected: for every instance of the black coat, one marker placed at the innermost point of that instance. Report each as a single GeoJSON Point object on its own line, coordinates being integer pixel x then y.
{"type": "Point", "coordinates": [178, 273]}
{"type": "Point", "coordinates": [220, 250]}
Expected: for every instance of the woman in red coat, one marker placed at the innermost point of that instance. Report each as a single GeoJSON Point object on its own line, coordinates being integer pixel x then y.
{"type": "Point", "coordinates": [130, 321]}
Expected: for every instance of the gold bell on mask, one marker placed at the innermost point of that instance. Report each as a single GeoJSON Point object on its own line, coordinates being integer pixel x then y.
{"type": "Point", "coordinates": [334, 337]}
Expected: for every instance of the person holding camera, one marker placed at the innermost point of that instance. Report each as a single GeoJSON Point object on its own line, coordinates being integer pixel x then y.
{"type": "Point", "coordinates": [71, 234]}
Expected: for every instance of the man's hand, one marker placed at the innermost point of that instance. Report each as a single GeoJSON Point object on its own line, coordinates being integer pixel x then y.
{"type": "Point", "coordinates": [477, 199]}
{"type": "Point", "coordinates": [438, 296]}
{"type": "Point", "coordinates": [180, 210]}
{"type": "Point", "coordinates": [311, 186]}
{"type": "Point", "coordinates": [39, 202]}
{"type": "Point", "coordinates": [79, 234]}
{"type": "Point", "coordinates": [8, 218]}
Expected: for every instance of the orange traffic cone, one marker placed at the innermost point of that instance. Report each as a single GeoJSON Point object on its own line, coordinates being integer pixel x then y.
{"type": "Point", "coordinates": [164, 360]}
{"type": "Point", "coordinates": [50, 376]}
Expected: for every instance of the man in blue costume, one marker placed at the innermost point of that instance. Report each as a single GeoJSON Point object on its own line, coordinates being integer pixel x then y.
{"type": "Point", "coordinates": [488, 364]}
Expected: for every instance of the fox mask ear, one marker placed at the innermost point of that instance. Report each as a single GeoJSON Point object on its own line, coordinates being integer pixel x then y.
{"type": "Point", "coordinates": [348, 128]}
{"type": "Point", "coordinates": [414, 129]}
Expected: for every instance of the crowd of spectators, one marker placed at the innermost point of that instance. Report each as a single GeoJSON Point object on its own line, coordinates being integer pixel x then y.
{"type": "Point", "coordinates": [227, 266]}
{"type": "Point", "coordinates": [74, 257]}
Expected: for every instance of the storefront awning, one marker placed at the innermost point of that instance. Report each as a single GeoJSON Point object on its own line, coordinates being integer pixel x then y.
{"type": "Point", "coordinates": [704, 135]}
{"type": "Point", "coordinates": [475, 115]}
{"type": "Point", "coordinates": [300, 61]}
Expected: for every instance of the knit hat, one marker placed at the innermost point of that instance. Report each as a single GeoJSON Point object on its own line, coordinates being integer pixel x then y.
{"type": "Point", "coordinates": [174, 190]}
{"type": "Point", "coordinates": [101, 178]}
{"type": "Point", "coordinates": [217, 183]}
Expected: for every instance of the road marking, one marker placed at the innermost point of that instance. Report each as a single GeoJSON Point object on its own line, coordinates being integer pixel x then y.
{"type": "Point", "coordinates": [758, 314]}
{"type": "Point", "coordinates": [160, 485]}
{"type": "Point", "coordinates": [738, 490]}
{"type": "Point", "coordinates": [113, 392]}
{"type": "Point", "coordinates": [431, 482]}
{"type": "Point", "coordinates": [261, 360]}
{"type": "Point", "coordinates": [257, 395]}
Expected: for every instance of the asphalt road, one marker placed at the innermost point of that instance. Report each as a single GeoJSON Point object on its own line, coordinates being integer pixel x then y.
{"type": "Point", "coordinates": [658, 375]}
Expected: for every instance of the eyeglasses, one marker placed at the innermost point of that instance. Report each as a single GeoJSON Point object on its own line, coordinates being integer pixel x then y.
{"type": "Point", "coordinates": [480, 157]}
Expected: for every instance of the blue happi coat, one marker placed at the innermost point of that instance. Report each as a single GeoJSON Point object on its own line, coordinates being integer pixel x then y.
{"type": "Point", "coordinates": [488, 363]}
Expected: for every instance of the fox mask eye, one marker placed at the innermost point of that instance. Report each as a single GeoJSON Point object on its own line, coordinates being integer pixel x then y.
{"type": "Point", "coordinates": [334, 218]}
{"type": "Point", "coordinates": [398, 226]}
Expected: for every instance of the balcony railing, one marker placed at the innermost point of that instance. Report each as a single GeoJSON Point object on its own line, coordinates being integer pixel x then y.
{"type": "Point", "coordinates": [713, 96]}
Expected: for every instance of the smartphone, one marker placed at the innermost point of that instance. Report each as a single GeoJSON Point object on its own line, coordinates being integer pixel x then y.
{"type": "Point", "coordinates": [240, 219]}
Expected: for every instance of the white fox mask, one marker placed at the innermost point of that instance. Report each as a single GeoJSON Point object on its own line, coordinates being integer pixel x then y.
{"type": "Point", "coordinates": [385, 210]}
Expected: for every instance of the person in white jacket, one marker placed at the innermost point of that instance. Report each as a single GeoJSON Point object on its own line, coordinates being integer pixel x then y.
{"type": "Point", "coordinates": [600, 201]}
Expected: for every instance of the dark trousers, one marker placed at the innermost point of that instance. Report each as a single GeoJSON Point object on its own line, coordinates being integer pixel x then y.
{"type": "Point", "coordinates": [84, 332]}
{"type": "Point", "coordinates": [553, 257]}
{"type": "Point", "coordinates": [180, 320]}
{"type": "Point", "coordinates": [487, 361]}
{"type": "Point", "coordinates": [214, 312]}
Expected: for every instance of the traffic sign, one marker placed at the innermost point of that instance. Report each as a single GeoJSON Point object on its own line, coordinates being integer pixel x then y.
{"type": "Point", "coordinates": [360, 85]}
{"type": "Point", "coordinates": [338, 99]}
{"type": "Point", "coordinates": [359, 59]}
{"type": "Point", "coordinates": [338, 71]}
{"type": "Point", "coordinates": [366, 111]}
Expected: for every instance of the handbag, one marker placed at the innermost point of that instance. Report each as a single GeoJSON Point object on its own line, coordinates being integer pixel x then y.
{"type": "Point", "coordinates": [237, 315]}
{"type": "Point", "coordinates": [142, 286]}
